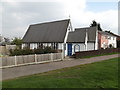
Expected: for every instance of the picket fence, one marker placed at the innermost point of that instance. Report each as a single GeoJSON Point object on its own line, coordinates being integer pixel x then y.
{"type": "Point", "coordinates": [13, 61]}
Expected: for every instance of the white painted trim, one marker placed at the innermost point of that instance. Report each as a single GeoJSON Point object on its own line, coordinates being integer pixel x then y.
{"type": "Point", "coordinates": [96, 41]}
{"type": "Point", "coordinates": [66, 36]}
{"type": "Point", "coordinates": [86, 40]}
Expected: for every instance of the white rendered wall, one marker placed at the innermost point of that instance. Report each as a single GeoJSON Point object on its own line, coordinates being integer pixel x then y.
{"type": "Point", "coordinates": [96, 41]}
{"type": "Point", "coordinates": [112, 41]}
{"type": "Point", "coordinates": [65, 46]}
{"type": "Point", "coordinates": [90, 46]}
{"type": "Point", "coordinates": [23, 45]}
{"type": "Point", "coordinates": [33, 45]}
{"type": "Point", "coordinates": [86, 41]}
{"type": "Point", "coordinates": [60, 46]}
{"type": "Point", "coordinates": [66, 49]}
{"type": "Point", "coordinates": [82, 47]}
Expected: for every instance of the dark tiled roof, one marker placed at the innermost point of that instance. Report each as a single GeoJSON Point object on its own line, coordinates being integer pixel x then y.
{"type": "Point", "coordinates": [105, 33]}
{"type": "Point", "coordinates": [92, 34]}
{"type": "Point", "coordinates": [79, 35]}
{"type": "Point", "coordinates": [47, 32]}
{"type": "Point", "coordinates": [76, 36]}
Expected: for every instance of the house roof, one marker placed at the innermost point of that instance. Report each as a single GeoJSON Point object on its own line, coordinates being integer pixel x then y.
{"type": "Point", "coordinates": [76, 36]}
{"type": "Point", "coordinates": [118, 36]}
{"type": "Point", "coordinates": [92, 34]}
{"type": "Point", "coordinates": [47, 32]}
{"type": "Point", "coordinates": [79, 35]}
{"type": "Point", "coordinates": [106, 33]}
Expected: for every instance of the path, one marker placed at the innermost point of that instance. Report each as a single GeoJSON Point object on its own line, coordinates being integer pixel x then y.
{"type": "Point", "coordinates": [9, 73]}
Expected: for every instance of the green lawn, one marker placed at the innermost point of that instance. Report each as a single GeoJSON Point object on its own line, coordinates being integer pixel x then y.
{"type": "Point", "coordinates": [100, 55]}
{"type": "Point", "coordinates": [102, 74]}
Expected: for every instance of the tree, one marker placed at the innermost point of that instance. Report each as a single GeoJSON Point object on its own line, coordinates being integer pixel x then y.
{"type": "Point", "coordinates": [94, 23]}
{"type": "Point", "coordinates": [4, 41]}
{"type": "Point", "coordinates": [0, 38]}
{"type": "Point", "coordinates": [99, 27]}
{"type": "Point", "coordinates": [17, 41]}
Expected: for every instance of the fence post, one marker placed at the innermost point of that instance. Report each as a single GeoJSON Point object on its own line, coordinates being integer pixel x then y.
{"type": "Point", "coordinates": [51, 56]}
{"type": "Point", "coordinates": [35, 58]}
{"type": "Point", "coordinates": [15, 60]}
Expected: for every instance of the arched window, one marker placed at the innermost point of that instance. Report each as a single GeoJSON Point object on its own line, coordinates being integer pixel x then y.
{"type": "Point", "coordinates": [76, 48]}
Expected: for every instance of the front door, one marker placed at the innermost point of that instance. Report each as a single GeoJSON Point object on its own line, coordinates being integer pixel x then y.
{"type": "Point", "coordinates": [69, 49]}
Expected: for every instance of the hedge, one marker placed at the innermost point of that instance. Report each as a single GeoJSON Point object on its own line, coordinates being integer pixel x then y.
{"type": "Point", "coordinates": [96, 52]}
{"type": "Point", "coordinates": [30, 51]}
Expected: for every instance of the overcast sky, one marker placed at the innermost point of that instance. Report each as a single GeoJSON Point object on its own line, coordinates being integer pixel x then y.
{"type": "Point", "coordinates": [19, 14]}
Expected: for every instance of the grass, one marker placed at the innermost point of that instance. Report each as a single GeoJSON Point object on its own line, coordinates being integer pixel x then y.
{"type": "Point", "coordinates": [102, 74]}
{"type": "Point", "coordinates": [100, 55]}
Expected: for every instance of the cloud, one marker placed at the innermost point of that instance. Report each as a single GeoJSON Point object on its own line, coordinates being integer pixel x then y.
{"type": "Point", "coordinates": [17, 16]}
{"type": "Point", "coordinates": [82, 18]}
{"type": "Point", "coordinates": [0, 18]}
{"type": "Point", "coordinates": [107, 19]}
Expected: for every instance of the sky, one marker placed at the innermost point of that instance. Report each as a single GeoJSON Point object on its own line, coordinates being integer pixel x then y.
{"type": "Point", "coordinates": [17, 15]}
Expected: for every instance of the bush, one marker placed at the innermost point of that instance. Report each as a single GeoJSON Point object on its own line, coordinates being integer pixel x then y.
{"type": "Point", "coordinates": [49, 50]}
{"type": "Point", "coordinates": [38, 51]}
{"type": "Point", "coordinates": [96, 52]}
{"type": "Point", "coordinates": [27, 51]}
{"type": "Point", "coordinates": [20, 52]}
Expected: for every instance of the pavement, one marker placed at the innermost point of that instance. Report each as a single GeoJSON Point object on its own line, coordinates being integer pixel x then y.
{"type": "Point", "coordinates": [14, 72]}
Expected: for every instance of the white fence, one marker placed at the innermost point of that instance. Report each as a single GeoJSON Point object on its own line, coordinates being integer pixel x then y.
{"type": "Point", "coordinates": [12, 61]}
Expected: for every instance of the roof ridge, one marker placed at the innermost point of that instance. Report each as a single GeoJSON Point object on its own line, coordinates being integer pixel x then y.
{"type": "Point", "coordinates": [85, 27]}
{"type": "Point", "coordinates": [82, 28]}
{"type": "Point", "coordinates": [50, 22]}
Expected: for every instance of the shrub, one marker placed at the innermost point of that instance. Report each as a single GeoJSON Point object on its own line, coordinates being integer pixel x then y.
{"type": "Point", "coordinates": [38, 51]}
{"type": "Point", "coordinates": [96, 52]}
{"type": "Point", "coordinates": [49, 50]}
{"type": "Point", "coordinates": [27, 51]}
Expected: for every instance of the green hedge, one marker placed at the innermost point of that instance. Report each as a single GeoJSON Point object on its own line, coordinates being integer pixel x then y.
{"type": "Point", "coordinates": [96, 52]}
{"type": "Point", "coordinates": [29, 51]}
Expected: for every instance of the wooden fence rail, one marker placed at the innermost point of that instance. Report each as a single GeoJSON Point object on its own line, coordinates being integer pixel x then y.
{"type": "Point", "coordinates": [13, 61]}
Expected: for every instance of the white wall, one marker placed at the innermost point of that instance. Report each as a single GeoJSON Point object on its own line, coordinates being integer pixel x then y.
{"type": "Point", "coordinates": [64, 45]}
{"type": "Point", "coordinates": [82, 47]}
{"type": "Point", "coordinates": [23, 45]}
{"type": "Point", "coordinates": [90, 46]}
{"type": "Point", "coordinates": [96, 42]}
{"type": "Point", "coordinates": [33, 45]}
{"type": "Point", "coordinates": [60, 46]}
{"type": "Point", "coordinates": [112, 41]}
{"type": "Point", "coordinates": [66, 49]}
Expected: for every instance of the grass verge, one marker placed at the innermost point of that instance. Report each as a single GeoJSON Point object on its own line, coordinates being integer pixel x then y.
{"type": "Point", "coordinates": [99, 55]}
{"type": "Point", "coordinates": [102, 74]}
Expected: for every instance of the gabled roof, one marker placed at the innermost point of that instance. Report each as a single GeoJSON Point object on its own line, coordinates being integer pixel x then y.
{"type": "Point", "coordinates": [79, 35]}
{"type": "Point", "coordinates": [76, 36]}
{"type": "Point", "coordinates": [47, 32]}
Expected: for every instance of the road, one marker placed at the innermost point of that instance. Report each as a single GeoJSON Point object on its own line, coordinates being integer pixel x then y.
{"type": "Point", "coordinates": [10, 73]}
